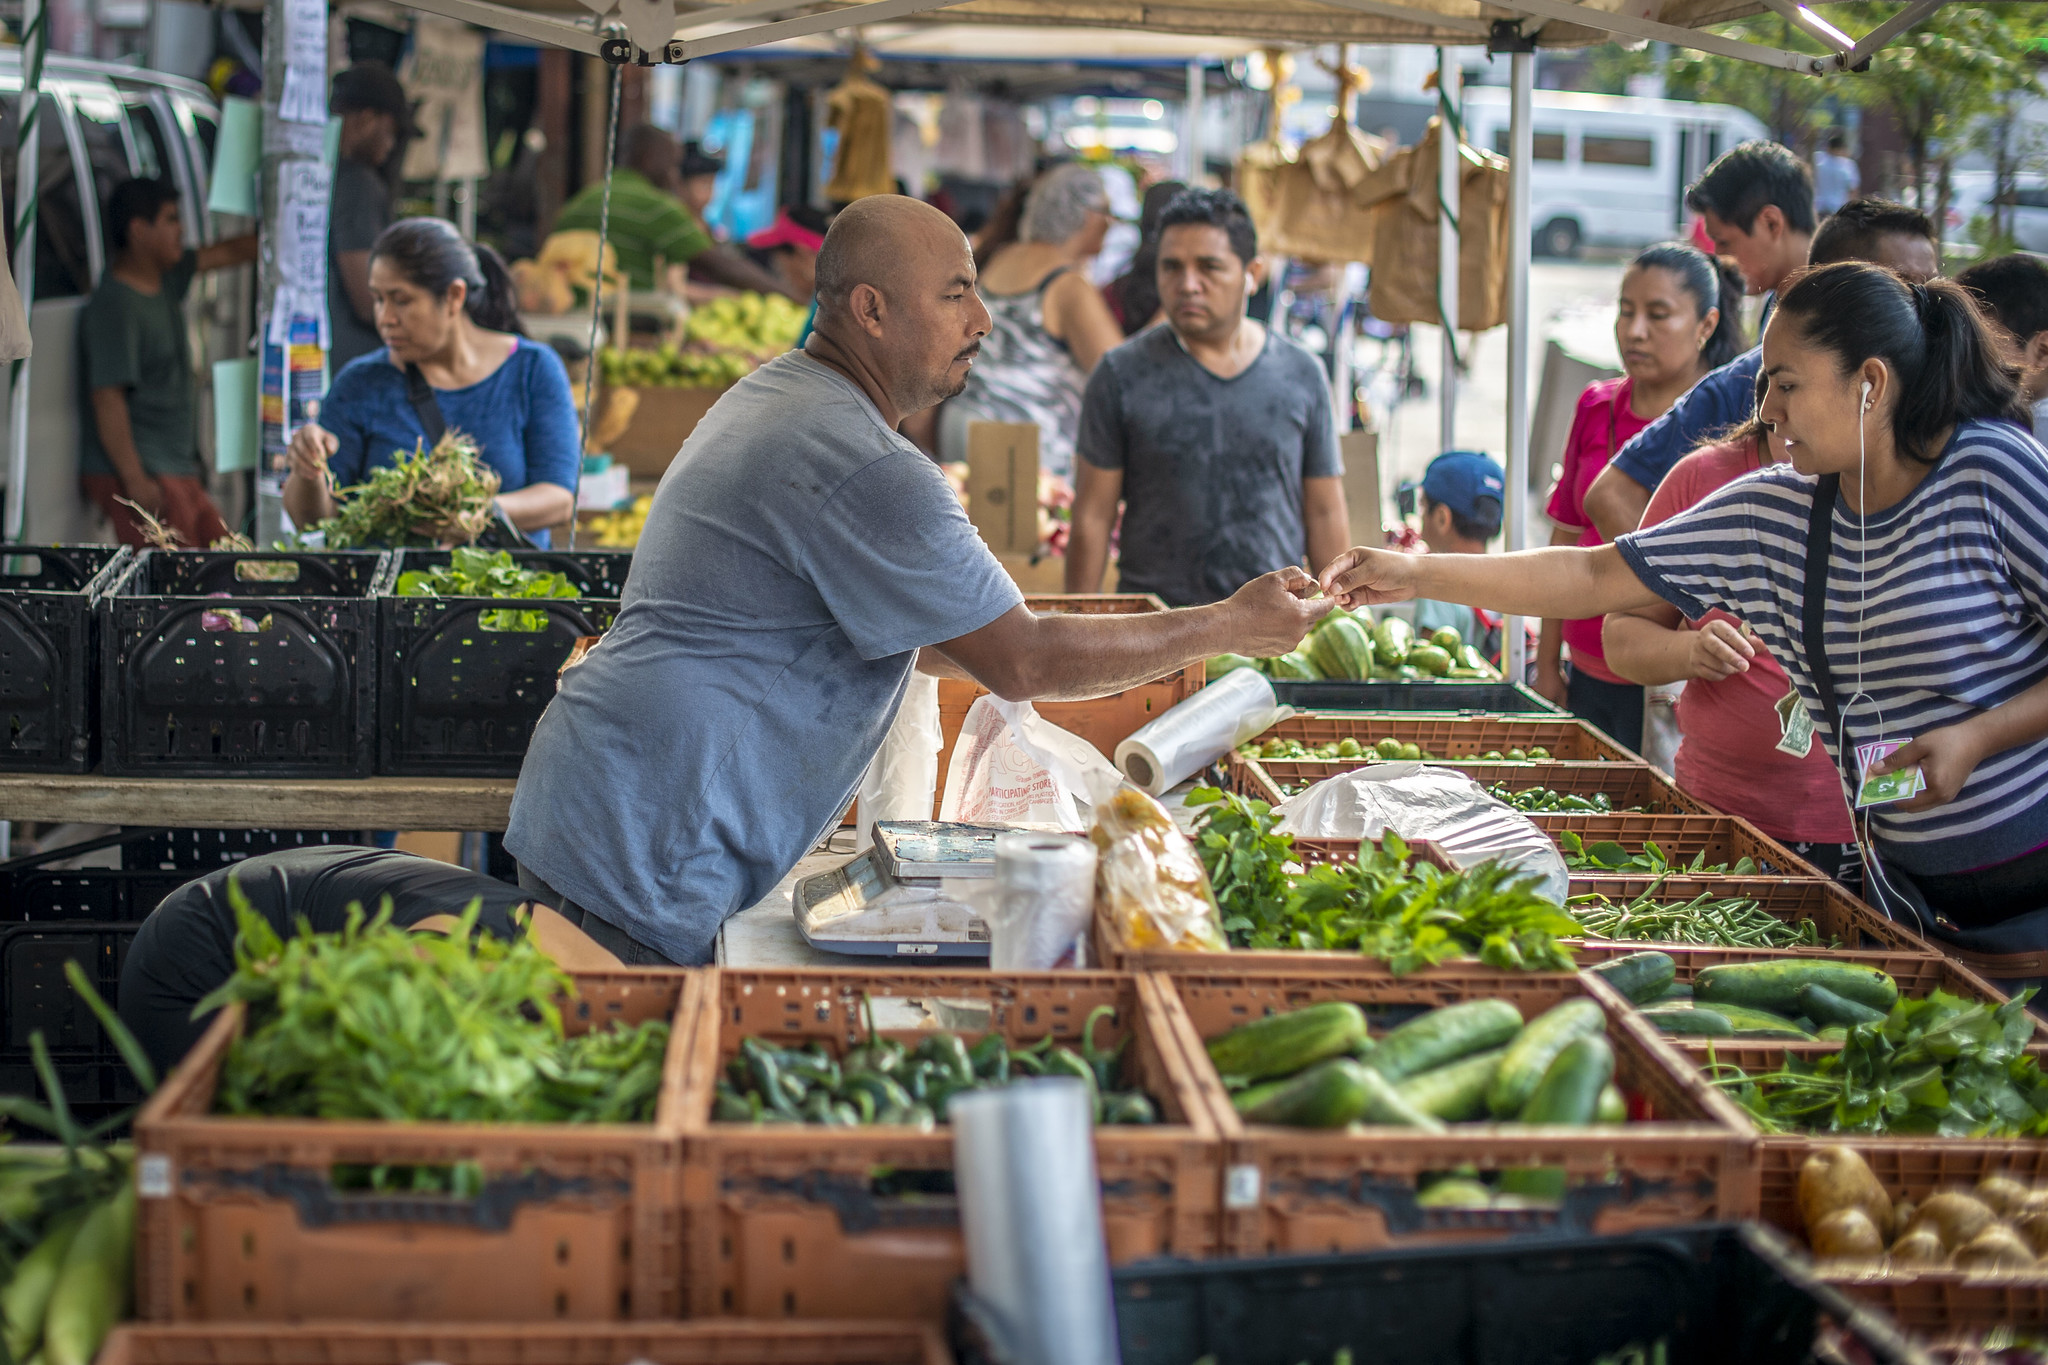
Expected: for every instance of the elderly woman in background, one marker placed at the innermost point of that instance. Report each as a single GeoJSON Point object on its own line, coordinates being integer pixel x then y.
{"type": "Point", "coordinates": [1049, 324]}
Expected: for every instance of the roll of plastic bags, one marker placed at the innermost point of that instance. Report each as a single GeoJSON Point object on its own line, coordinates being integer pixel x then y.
{"type": "Point", "coordinates": [1418, 801]}
{"type": "Point", "coordinates": [1167, 750]}
{"type": "Point", "coordinates": [1040, 909]}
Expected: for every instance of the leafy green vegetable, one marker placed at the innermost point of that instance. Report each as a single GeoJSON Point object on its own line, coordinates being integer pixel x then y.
{"type": "Point", "coordinates": [422, 498]}
{"type": "Point", "coordinates": [1409, 916]}
{"type": "Point", "coordinates": [1939, 1065]}
{"type": "Point", "coordinates": [481, 573]}
{"type": "Point", "coordinates": [1608, 856]}
{"type": "Point", "coordinates": [379, 1023]}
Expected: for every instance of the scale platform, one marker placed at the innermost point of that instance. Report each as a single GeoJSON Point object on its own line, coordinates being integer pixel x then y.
{"type": "Point", "coordinates": [859, 909]}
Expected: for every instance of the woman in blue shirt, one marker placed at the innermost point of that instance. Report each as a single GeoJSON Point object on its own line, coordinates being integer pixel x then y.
{"type": "Point", "coordinates": [445, 310]}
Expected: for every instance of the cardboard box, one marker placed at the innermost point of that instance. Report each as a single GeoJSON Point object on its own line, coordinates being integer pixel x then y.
{"type": "Point", "coordinates": [662, 422]}
{"type": "Point", "coordinates": [1002, 486]}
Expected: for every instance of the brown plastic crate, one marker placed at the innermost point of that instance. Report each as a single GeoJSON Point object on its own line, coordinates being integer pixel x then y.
{"type": "Point", "coordinates": [670, 1343]}
{"type": "Point", "coordinates": [1104, 722]}
{"type": "Point", "coordinates": [1300, 1191]}
{"type": "Point", "coordinates": [785, 1220]}
{"type": "Point", "coordinates": [1723, 840]}
{"type": "Point", "coordinates": [240, 1220]}
{"type": "Point", "coordinates": [1454, 738]}
{"type": "Point", "coordinates": [1627, 784]}
{"type": "Point", "coordinates": [1838, 914]}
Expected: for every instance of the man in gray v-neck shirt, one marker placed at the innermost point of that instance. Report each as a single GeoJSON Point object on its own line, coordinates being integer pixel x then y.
{"type": "Point", "coordinates": [1217, 436]}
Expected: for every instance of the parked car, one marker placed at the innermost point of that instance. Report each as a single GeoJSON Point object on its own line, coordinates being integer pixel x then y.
{"type": "Point", "coordinates": [1610, 170]}
{"type": "Point", "coordinates": [101, 123]}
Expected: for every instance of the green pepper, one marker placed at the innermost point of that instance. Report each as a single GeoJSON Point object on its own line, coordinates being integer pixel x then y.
{"type": "Point", "coordinates": [882, 1093]}
{"type": "Point", "coordinates": [1132, 1107]}
{"type": "Point", "coordinates": [817, 1107]}
{"type": "Point", "coordinates": [812, 1068]}
{"type": "Point", "coordinates": [950, 1053]}
{"type": "Point", "coordinates": [1104, 1063]}
{"type": "Point", "coordinates": [730, 1106]}
{"type": "Point", "coordinates": [991, 1058]}
{"type": "Point", "coordinates": [782, 1094]}
{"type": "Point", "coordinates": [1066, 1062]}
{"type": "Point", "coordinates": [1578, 803]}
{"type": "Point", "coordinates": [1024, 1063]}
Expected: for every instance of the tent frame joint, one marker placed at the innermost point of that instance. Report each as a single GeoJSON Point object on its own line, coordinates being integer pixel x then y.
{"type": "Point", "coordinates": [1506, 38]}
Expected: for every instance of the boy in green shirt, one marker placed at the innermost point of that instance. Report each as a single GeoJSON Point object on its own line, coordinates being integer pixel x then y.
{"type": "Point", "coordinates": [141, 437]}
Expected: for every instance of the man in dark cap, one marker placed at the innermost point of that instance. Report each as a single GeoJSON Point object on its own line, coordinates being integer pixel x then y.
{"type": "Point", "coordinates": [699, 176]}
{"type": "Point", "coordinates": [376, 118]}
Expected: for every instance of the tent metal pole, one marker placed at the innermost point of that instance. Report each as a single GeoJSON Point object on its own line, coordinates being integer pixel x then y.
{"type": "Point", "coordinates": [1448, 186]}
{"type": "Point", "coordinates": [35, 32]}
{"type": "Point", "coordinates": [1521, 150]}
{"type": "Point", "coordinates": [1191, 121]}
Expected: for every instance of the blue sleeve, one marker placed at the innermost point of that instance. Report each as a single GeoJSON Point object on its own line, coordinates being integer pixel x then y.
{"type": "Point", "coordinates": [347, 410]}
{"type": "Point", "coordinates": [898, 563]}
{"type": "Point", "coordinates": [550, 420]}
{"type": "Point", "coordinates": [1725, 397]}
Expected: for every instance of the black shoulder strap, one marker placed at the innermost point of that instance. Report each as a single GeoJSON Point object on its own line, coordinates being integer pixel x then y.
{"type": "Point", "coordinates": [1819, 544]}
{"type": "Point", "coordinates": [421, 395]}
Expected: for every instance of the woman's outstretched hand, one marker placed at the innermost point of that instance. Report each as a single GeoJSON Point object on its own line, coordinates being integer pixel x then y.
{"type": "Point", "coordinates": [1361, 577]}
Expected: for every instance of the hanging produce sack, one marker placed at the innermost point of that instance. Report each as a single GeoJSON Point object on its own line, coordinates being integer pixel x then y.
{"type": "Point", "coordinates": [1323, 200]}
{"type": "Point", "coordinates": [1404, 250]}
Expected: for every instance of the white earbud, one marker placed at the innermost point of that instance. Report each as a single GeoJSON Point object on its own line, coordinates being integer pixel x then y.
{"type": "Point", "coordinates": [1866, 395]}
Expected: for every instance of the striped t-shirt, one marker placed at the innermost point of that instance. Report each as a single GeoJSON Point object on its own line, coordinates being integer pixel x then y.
{"type": "Point", "coordinates": [1954, 619]}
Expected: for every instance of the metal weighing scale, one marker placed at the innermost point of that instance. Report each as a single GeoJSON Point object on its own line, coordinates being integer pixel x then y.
{"type": "Point", "coordinates": [864, 909]}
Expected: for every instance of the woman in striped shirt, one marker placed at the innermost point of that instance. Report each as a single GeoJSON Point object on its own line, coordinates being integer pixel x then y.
{"type": "Point", "coordinates": [1905, 428]}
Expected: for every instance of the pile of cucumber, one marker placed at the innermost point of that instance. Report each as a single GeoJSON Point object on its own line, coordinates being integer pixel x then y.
{"type": "Point", "coordinates": [1790, 999]}
{"type": "Point", "coordinates": [1474, 1062]}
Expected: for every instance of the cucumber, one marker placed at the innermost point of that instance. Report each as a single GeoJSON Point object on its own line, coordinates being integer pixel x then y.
{"type": "Point", "coordinates": [1751, 1023]}
{"type": "Point", "coordinates": [1675, 991]}
{"type": "Point", "coordinates": [1641, 977]}
{"type": "Point", "coordinates": [1833, 1033]}
{"type": "Point", "coordinates": [1282, 1044]}
{"type": "Point", "coordinates": [1455, 1192]}
{"type": "Point", "coordinates": [1569, 1095]}
{"type": "Point", "coordinates": [93, 1288]}
{"type": "Point", "coordinates": [1455, 1093]}
{"type": "Point", "coordinates": [1613, 1108]}
{"type": "Point", "coordinates": [1775, 986]}
{"type": "Point", "coordinates": [1444, 1035]}
{"type": "Point", "coordinates": [1684, 1019]}
{"type": "Point", "coordinates": [1385, 1105]}
{"type": "Point", "coordinates": [1326, 1096]}
{"type": "Point", "coordinates": [1536, 1047]}
{"type": "Point", "coordinates": [1251, 1097]}
{"type": "Point", "coordinates": [1823, 1006]}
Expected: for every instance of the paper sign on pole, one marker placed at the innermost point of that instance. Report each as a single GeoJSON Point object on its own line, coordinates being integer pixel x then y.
{"type": "Point", "coordinates": [305, 74]}
{"type": "Point", "coordinates": [444, 75]}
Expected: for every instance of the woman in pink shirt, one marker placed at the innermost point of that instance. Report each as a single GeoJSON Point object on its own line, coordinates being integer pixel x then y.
{"type": "Point", "coordinates": [1738, 753]}
{"type": "Point", "coordinates": [1677, 318]}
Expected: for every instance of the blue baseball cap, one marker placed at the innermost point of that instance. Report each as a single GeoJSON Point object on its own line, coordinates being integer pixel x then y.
{"type": "Point", "coordinates": [1459, 478]}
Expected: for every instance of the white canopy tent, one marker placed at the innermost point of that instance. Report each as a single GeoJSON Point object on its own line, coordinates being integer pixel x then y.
{"type": "Point", "coordinates": [648, 32]}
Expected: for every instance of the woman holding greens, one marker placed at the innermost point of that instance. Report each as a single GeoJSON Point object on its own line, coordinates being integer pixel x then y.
{"type": "Point", "coordinates": [1924, 500]}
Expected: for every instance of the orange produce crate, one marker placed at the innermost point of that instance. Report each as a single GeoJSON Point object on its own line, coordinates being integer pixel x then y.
{"type": "Point", "coordinates": [790, 1221]}
{"type": "Point", "coordinates": [240, 1218]}
{"type": "Point", "coordinates": [1628, 785]}
{"type": "Point", "coordinates": [1104, 722]}
{"type": "Point", "coordinates": [668, 1343]}
{"type": "Point", "coordinates": [1837, 914]}
{"type": "Point", "coordinates": [1453, 738]}
{"type": "Point", "coordinates": [1723, 840]}
{"type": "Point", "coordinates": [1290, 1190]}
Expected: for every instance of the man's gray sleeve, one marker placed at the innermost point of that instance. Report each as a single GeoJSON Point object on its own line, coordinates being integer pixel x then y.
{"type": "Point", "coordinates": [1321, 457]}
{"type": "Point", "coordinates": [1100, 439]}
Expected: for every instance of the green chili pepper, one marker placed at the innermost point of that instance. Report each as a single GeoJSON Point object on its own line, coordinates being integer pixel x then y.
{"type": "Point", "coordinates": [991, 1058]}
{"type": "Point", "coordinates": [1026, 1063]}
{"type": "Point", "coordinates": [1131, 1107]}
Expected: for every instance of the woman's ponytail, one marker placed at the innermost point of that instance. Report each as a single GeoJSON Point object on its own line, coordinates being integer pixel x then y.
{"type": "Point", "coordinates": [1931, 335]}
{"type": "Point", "coordinates": [496, 305]}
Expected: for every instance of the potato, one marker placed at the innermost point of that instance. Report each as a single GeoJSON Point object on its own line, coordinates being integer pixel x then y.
{"type": "Point", "coordinates": [1902, 1215]}
{"type": "Point", "coordinates": [1835, 1178]}
{"type": "Point", "coordinates": [2032, 1225]}
{"type": "Point", "coordinates": [1921, 1246]}
{"type": "Point", "coordinates": [1956, 1217]}
{"type": "Point", "coordinates": [2002, 1194]}
{"type": "Point", "coordinates": [1847, 1234]}
{"type": "Point", "coordinates": [1997, 1246]}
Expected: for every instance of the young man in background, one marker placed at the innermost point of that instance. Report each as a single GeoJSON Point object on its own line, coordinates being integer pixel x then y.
{"type": "Point", "coordinates": [141, 433]}
{"type": "Point", "coordinates": [1216, 434]}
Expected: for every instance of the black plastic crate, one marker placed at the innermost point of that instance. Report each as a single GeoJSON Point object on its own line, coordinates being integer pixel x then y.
{"type": "Point", "coordinates": [1712, 1293]}
{"type": "Point", "coordinates": [195, 852]}
{"type": "Point", "coordinates": [461, 692]}
{"type": "Point", "coordinates": [34, 993]}
{"type": "Point", "coordinates": [87, 895]}
{"type": "Point", "coordinates": [1489, 698]}
{"type": "Point", "coordinates": [187, 692]}
{"type": "Point", "coordinates": [49, 667]}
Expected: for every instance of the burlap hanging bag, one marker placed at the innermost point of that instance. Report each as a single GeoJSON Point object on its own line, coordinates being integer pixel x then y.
{"type": "Point", "coordinates": [1404, 249]}
{"type": "Point", "coordinates": [1323, 199]}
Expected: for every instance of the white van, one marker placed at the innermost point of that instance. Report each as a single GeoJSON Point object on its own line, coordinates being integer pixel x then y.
{"type": "Point", "coordinates": [101, 123]}
{"type": "Point", "coordinates": [1610, 170]}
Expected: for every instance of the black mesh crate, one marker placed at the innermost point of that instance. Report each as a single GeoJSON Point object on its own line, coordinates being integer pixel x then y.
{"type": "Point", "coordinates": [35, 995]}
{"type": "Point", "coordinates": [49, 667]}
{"type": "Point", "coordinates": [466, 678]}
{"type": "Point", "coordinates": [1486, 698]}
{"type": "Point", "coordinates": [196, 852]}
{"type": "Point", "coordinates": [227, 663]}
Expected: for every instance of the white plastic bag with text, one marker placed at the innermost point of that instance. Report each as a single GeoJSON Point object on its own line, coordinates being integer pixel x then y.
{"type": "Point", "coordinates": [1011, 766]}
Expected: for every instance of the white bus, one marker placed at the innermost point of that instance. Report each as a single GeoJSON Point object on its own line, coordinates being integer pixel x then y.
{"type": "Point", "coordinates": [1610, 170]}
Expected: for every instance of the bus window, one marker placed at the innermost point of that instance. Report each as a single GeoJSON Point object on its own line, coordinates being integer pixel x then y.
{"type": "Point", "coordinates": [152, 146]}
{"type": "Point", "coordinates": [1544, 146]}
{"type": "Point", "coordinates": [1617, 151]}
{"type": "Point", "coordinates": [63, 270]}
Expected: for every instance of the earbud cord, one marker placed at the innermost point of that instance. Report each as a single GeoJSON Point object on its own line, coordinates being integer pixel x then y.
{"type": "Point", "coordinates": [1869, 840]}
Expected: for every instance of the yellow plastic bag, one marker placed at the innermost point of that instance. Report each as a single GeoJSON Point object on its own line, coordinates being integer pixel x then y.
{"type": "Point", "coordinates": [1148, 878]}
